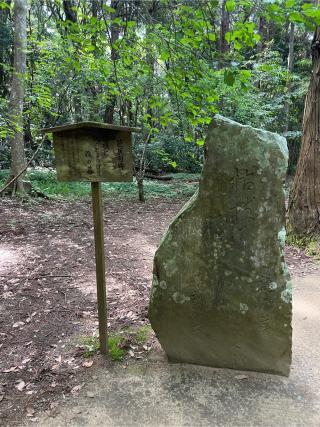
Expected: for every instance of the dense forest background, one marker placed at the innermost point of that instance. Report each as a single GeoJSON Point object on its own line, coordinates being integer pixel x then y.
{"type": "Point", "coordinates": [167, 66]}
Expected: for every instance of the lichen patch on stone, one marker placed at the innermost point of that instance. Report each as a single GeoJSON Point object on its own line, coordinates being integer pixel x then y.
{"type": "Point", "coordinates": [243, 308]}
{"type": "Point", "coordinates": [180, 298]}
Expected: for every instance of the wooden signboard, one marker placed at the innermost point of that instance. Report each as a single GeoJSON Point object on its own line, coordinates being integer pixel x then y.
{"type": "Point", "coordinates": [95, 152]}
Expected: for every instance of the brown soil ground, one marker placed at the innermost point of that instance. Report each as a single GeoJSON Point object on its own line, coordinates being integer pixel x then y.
{"type": "Point", "coordinates": [47, 291]}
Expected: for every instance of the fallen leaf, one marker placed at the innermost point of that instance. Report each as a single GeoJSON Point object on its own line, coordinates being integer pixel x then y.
{"type": "Point", "coordinates": [87, 363]}
{"type": "Point", "coordinates": [54, 367]}
{"type": "Point", "coordinates": [17, 324]}
{"type": "Point", "coordinates": [12, 369]}
{"type": "Point", "coordinates": [131, 353]}
{"type": "Point", "coordinates": [30, 412]}
{"type": "Point", "coordinates": [241, 377]}
{"type": "Point", "coordinates": [21, 385]}
{"type": "Point", "coordinates": [76, 389]}
{"type": "Point", "coordinates": [58, 359]}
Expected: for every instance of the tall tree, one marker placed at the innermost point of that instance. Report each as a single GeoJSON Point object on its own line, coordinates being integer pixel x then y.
{"type": "Point", "coordinates": [224, 27]}
{"type": "Point", "coordinates": [304, 203]}
{"type": "Point", "coordinates": [152, 10]}
{"type": "Point", "coordinates": [4, 37]}
{"type": "Point", "coordinates": [18, 160]}
{"type": "Point", "coordinates": [289, 80]}
{"type": "Point", "coordinates": [113, 35]}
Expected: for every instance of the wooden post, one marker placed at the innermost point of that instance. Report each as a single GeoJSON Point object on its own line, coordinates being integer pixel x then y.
{"type": "Point", "coordinates": [97, 206]}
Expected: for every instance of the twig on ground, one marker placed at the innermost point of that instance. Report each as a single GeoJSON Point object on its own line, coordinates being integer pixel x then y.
{"type": "Point", "coordinates": [65, 296]}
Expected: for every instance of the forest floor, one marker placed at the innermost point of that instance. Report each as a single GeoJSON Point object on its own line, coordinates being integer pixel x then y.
{"type": "Point", "coordinates": [47, 294]}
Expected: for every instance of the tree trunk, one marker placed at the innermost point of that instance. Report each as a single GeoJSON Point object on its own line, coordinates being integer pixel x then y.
{"type": "Point", "coordinates": [224, 28]}
{"type": "Point", "coordinates": [18, 160]}
{"type": "Point", "coordinates": [140, 182]}
{"type": "Point", "coordinates": [69, 8]}
{"type": "Point", "coordinates": [261, 32]}
{"type": "Point", "coordinates": [152, 8]}
{"type": "Point", "coordinates": [113, 38]}
{"type": "Point", "coordinates": [304, 203]}
{"type": "Point", "coordinates": [4, 48]}
{"type": "Point", "coordinates": [289, 80]}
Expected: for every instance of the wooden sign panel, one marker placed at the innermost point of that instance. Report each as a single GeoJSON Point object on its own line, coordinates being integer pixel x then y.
{"type": "Point", "coordinates": [95, 155]}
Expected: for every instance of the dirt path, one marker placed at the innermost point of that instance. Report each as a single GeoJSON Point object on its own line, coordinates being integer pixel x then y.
{"type": "Point", "coordinates": [47, 285]}
{"type": "Point", "coordinates": [47, 298]}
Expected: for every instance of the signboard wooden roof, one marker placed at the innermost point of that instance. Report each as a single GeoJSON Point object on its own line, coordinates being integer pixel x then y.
{"type": "Point", "coordinates": [90, 125]}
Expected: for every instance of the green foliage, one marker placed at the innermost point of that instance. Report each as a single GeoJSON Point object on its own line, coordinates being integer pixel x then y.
{"type": "Point", "coordinates": [310, 244]}
{"type": "Point", "coordinates": [141, 335]}
{"type": "Point", "coordinates": [91, 346]}
{"type": "Point", "coordinates": [161, 69]}
{"type": "Point", "coordinates": [258, 98]}
{"type": "Point", "coordinates": [72, 75]}
{"type": "Point", "coordinates": [229, 77]}
{"type": "Point", "coordinates": [305, 14]}
{"type": "Point", "coordinates": [170, 152]}
{"type": "Point", "coordinates": [116, 352]}
{"type": "Point", "coordinates": [45, 181]}
{"type": "Point", "coordinates": [117, 342]}
{"type": "Point", "coordinates": [313, 249]}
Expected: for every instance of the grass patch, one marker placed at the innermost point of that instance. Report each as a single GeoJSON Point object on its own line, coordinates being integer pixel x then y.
{"type": "Point", "coordinates": [309, 244]}
{"type": "Point", "coordinates": [182, 176]}
{"type": "Point", "coordinates": [45, 181]}
{"type": "Point", "coordinates": [141, 335]}
{"type": "Point", "coordinates": [115, 351]}
{"type": "Point", "coordinates": [313, 249]}
{"type": "Point", "coordinates": [297, 241]}
{"type": "Point", "coordinates": [118, 342]}
{"type": "Point", "coordinates": [91, 346]}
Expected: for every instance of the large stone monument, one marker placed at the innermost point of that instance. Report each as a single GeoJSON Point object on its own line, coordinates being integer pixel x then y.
{"type": "Point", "coordinates": [221, 292]}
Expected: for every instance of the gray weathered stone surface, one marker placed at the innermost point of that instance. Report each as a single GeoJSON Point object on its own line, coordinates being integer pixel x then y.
{"type": "Point", "coordinates": [221, 292]}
